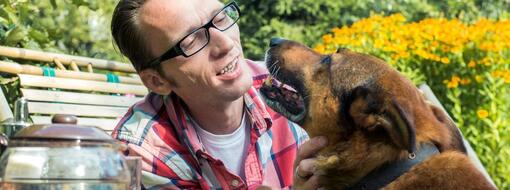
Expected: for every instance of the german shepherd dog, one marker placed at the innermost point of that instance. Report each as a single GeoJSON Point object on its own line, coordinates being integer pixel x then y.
{"type": "Point", "coordinates": [382, 134]}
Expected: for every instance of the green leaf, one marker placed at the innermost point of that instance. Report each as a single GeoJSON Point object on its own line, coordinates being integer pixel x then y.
{"type": "Point", "coordinates": [15, 35]}
{"type": "Point", "coordinates": [38, 35]}
{"type": "Point", "coordinates": [80, 2]}
{"type": "Point", "coordinates": [9, 14]}
{"type": "Point", "coordinates": [53, 4]}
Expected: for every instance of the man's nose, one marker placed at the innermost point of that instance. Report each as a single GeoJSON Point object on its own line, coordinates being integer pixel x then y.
{"type": "Point", "coordinates": [275, 42]}
{"type": "Point", "coordinates": [221, 42]}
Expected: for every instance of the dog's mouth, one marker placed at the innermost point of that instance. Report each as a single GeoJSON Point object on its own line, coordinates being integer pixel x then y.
{"type": "Point", "coordinates": [284, 99]}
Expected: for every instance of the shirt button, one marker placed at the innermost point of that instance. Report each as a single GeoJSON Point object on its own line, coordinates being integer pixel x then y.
{"type": "Point", "coordinates": [234, 183]}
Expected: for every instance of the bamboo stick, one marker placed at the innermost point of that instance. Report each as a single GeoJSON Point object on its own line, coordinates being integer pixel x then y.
{"type": "Point", "coordinates": [16, 68]}
{"type": "Point", "coordinates": [83, 85]}
{"type": "Point", "coordinates": [74, 67]}
{"type": "Point", "coordinates": [89, 68]}
{"type": "Point", "coordinates": [65, 59]}
{"type": "Point", "coordinates": [59, 64]}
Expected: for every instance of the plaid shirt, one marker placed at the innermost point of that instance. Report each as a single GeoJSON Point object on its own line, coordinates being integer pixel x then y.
{"type": "Point", "coordinates": [161, 131]}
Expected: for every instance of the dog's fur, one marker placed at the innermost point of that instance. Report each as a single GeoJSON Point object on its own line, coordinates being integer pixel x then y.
{"type": "Point", "coordinates": [372, 116]}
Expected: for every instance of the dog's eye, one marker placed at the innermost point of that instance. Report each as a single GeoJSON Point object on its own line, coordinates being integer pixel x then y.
{"type": "Point", "coordinates": [326, 60]}
{"type": "Point", "coordinates": [341, 49]}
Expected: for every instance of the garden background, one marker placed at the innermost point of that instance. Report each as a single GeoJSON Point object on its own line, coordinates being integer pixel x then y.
{"type": "Point", "coordinates": [461, 48]}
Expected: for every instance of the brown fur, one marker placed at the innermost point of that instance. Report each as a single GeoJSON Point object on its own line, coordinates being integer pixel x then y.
{"type": "Point", "coordinates": [372, 115]}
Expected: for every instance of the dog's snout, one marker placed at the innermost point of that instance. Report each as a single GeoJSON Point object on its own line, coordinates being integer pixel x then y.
{"type": "Point", "coordinates": [275, 42]}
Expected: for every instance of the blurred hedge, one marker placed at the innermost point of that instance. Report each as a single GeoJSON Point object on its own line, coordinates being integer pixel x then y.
{"type": "Point", "coordinates": [82, 26]}
{"type": "Point", "coordinates": [79, 27]}
{"type": "Point", "coordinates": [307, 20]}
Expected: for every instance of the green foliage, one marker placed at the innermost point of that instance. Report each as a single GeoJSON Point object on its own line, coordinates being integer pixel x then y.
{"type": "Point", "coordinates": [307, 20]}
{"type": "Point", "coordinates": [78, 27]}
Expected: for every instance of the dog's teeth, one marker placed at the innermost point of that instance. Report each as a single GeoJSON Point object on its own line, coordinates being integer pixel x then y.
{"type": "Point", "coordinates": [267, 82]}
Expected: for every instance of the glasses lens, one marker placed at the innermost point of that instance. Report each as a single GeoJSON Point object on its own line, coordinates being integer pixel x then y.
{"type": "Point", "coordinates": [226, 18]}
{"type": "Point", "coordinates": [194, 42]}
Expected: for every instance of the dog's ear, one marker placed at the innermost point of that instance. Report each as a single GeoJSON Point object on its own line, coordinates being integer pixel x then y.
{"type": "Point", "coordinates": [456, 142]}
{"type": "Point", "coordinates": [376, 113]}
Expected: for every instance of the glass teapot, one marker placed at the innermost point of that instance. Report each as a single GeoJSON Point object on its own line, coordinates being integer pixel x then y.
{"type": "Point", "coordinates": [63, 156]}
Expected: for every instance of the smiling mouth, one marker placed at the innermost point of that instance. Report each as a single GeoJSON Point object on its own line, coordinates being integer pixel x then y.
{"type": "Point", "coordinates": [229, 68]}
{"type": "Point", "coordinates": [284, 100]}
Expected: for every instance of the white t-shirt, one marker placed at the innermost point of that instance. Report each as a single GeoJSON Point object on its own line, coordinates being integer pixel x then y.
{"type": "Point", "coordinates": [231, 148]}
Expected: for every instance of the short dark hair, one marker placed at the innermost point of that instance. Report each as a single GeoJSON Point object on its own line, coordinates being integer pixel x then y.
{"type": "Point", "coordinates": [127, 32]}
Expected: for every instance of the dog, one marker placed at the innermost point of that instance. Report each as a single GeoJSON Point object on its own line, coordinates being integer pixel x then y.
{"type": "Point", "coordinates": [382, 133]}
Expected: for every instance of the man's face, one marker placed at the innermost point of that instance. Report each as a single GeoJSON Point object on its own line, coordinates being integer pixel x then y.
{"type": "Point", "coordinates": [199, 77]}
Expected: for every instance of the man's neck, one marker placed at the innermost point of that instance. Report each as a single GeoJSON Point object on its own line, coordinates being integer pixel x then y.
{"type": "Point", "coordinates": [220, 118]}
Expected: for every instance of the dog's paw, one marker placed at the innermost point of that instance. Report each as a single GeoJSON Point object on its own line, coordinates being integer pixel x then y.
{"type": "Point", "coordinates": [327, 162]}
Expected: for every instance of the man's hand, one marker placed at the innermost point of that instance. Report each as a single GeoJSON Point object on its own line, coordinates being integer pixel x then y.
{"type": "Point", "coordinates": [304, 177]}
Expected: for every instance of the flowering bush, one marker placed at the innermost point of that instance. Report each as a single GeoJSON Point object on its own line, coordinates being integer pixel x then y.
{"type": "Point", "coordinates": [467, 66]}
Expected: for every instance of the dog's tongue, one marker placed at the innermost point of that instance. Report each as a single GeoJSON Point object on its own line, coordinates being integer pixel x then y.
{"type": "Point", "coordinates": [273, 82]}
{"type": "Point", "coordinates": [287, 91]}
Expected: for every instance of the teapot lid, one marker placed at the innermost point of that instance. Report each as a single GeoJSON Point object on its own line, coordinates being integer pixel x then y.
{"type": "Point", "coordinates": [64, 128]}
{"type": "Point", "coordinates": [62, 132]}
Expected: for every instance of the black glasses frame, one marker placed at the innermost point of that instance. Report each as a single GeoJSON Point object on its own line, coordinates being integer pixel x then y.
{"type": "Point", "coordinates": [176, 50]}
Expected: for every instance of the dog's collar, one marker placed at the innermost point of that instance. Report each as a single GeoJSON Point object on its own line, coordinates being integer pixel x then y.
{"type": "Point", "coordinates": [391, 171]}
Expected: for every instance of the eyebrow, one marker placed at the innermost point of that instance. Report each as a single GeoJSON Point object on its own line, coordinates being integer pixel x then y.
{"type": "Point", "coordinates": [211, 15]}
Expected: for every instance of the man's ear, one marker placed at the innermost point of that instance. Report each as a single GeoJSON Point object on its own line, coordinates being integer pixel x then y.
{"type": "Point", "coordinates": [155, 82]}
{"type": "Point", "coordinates": [375, 113]}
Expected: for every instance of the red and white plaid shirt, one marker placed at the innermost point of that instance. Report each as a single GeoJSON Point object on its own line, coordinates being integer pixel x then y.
{"type": "Point", "coordinates": [161, 131]}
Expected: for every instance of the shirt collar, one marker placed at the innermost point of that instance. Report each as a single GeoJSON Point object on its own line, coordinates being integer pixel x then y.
{"type": "Point", "coordinates": [181, 119]}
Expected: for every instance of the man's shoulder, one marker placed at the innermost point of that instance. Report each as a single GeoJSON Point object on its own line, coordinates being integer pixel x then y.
{"type": "Point", "coordinates": [140, 119]}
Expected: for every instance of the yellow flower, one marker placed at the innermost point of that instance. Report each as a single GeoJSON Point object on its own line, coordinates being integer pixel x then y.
{"type": "Point", "coordinates": [482, 113]}
{"type": "Point", "coordinates": [320, 48]}
{"type": "Point", "coordinates": [445, 60]}
{"type": "Point", "coordinates": [478, 78]}
{"type": "Point", "coordinates": [452, 84]}
{"type": "Point", "coordinates": [471, 64]}
{"type": "Point", "coordinates": [455, 79]}
{"type": "Point", "coordinates": [486, 61]}
{"type": "Point", "coordinates": [327, 38]}
{"type": "Point", "coordinates": [465, 81]}
{"type": "Point", "coordinates": [507, 78]}
{"type": "Point", "coordinates": [497, 73]}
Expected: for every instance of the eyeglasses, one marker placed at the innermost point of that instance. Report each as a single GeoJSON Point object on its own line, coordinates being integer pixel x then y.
{"type": "Point", "coordinates": [199, 38]}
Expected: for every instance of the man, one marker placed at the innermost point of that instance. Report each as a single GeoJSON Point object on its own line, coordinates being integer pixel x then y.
{"type": "Point", "coordinates": [203, 126]}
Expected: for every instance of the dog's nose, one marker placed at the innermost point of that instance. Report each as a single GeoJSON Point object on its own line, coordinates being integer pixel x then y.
{"type": "Point", "coordinates": [275, 42]}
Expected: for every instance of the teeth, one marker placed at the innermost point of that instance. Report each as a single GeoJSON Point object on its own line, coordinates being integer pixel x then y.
{"type": "Point", "coordinates": [268, 80]}
{"type": "Point", "coordinates": [229, 68]}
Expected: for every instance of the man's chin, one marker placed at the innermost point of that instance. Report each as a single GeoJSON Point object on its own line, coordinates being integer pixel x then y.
{"type": "Point", "coordinates": [236, 90]}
